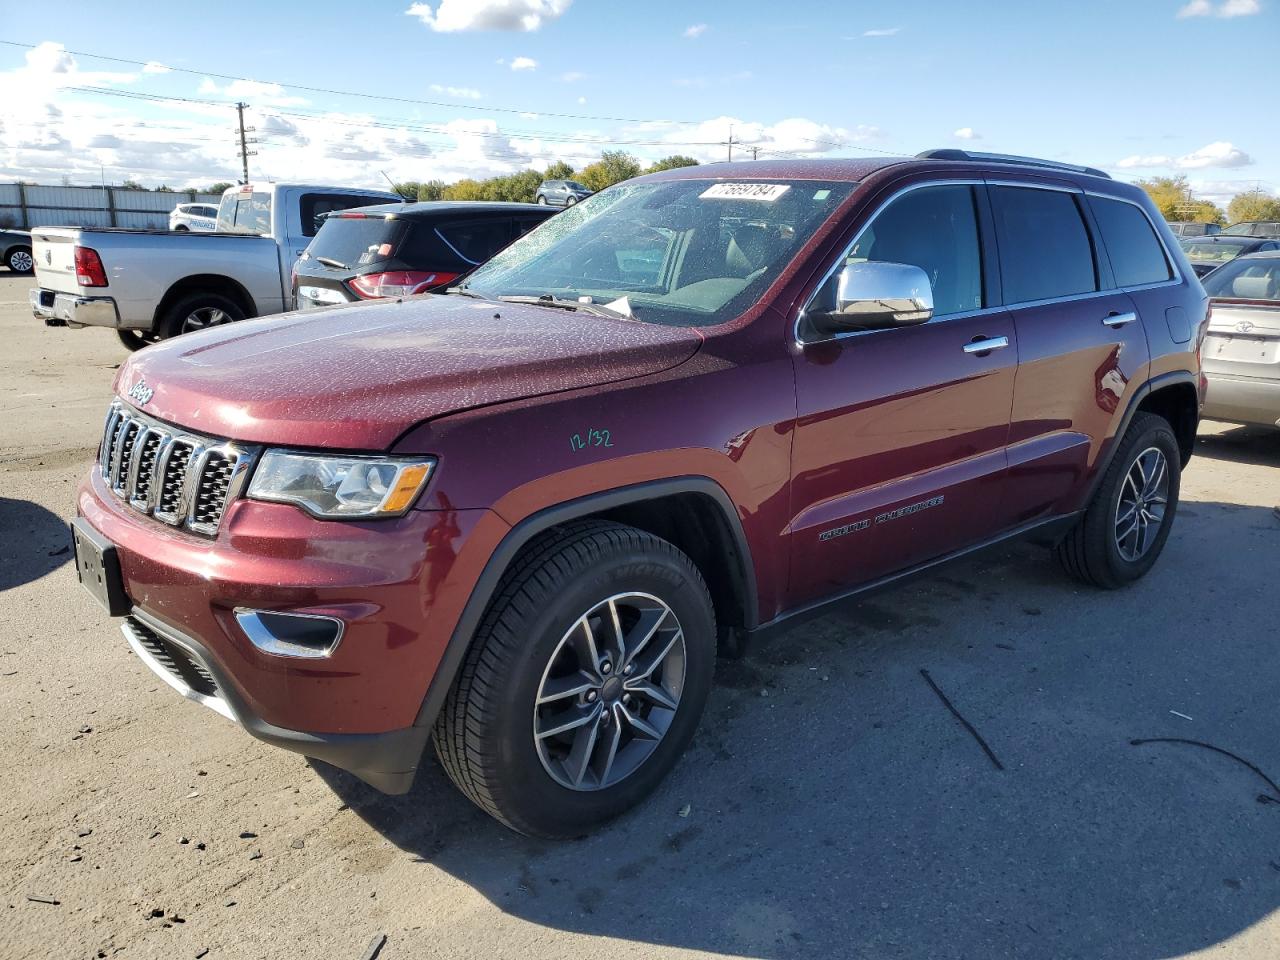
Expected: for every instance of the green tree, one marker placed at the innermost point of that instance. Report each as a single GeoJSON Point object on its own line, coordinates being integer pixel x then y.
{"type": "Point", "coordinates": [1172, 197]}
{"type": "Point", "coordinates": [1253, 205]}
{"type": "Point", "coordinates": [218, 187]}
{"type": "Point", "coordinates": [464, 190]}
{"type": "Point", "coordinates": [132, 185]}
{"type": "Point", "coordinates": [614, 166]}
{"type": "Point", "coordinates": [558, 171]}
{"type": "Point", "coordinates": [431, 190]}
{"type": "Point", "coordinates": [671, 163]}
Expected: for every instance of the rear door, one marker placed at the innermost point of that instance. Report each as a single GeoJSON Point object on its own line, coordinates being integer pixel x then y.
{"type": "Point", "coordinates": [1081, 344]}
{"type": "Point", "coordinates": [899, 449]}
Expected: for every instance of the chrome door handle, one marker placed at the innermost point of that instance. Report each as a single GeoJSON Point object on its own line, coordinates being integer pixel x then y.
{"type": "Point", "coordinates": [1119, 319]}
{"type": "Point", "coordinates": [986, 346]}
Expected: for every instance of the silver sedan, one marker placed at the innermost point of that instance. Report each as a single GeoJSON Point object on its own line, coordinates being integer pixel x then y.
{"type": "Point", "coordinates": [1241, 354]}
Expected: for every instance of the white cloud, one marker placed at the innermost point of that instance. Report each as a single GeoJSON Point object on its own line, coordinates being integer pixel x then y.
{"type": "Point", "coordinates": [1226, 9]}
{"type": "Point", "coordinates": [258, 93]}
{"type": "Point", "coordinates": [1217, 154]}
{"type": "Point", "coordinates": [695, 31]}
{"type": "Point", "coordinates": [582, 101]}
{"type": "Point", "coordinates": [524, 63]}
{"type": "Point", "coordinates": [883, 32]}
{"type": "Point", "coordinates": [152, 66]}
{"type": "Point", "coordinates": [573, 76]}
{"type": "Point", "coordinates": [967, 133]}
{"type": "Point", "coordinates": [454, 16]}
{"type": "Point", "coordinates": [464, 93]}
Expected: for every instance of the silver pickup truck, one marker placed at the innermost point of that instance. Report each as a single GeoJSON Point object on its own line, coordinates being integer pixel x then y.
{"type": "Point", "coordinates": [154, 284]}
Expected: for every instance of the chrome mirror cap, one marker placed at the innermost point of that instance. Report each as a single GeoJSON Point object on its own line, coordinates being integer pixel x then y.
{"type": "Point", "coordinates": [872, 293]}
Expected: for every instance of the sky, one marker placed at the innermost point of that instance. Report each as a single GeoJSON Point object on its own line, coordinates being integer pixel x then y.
{"type": "Point", "coordinates": [341, 93]}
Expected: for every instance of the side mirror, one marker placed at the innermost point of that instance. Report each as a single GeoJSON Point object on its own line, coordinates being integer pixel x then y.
{"type": "Point", "coordinates": [873, 295]}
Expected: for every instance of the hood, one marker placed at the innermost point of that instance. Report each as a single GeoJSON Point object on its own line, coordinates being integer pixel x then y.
{"type": "Point", "coordinates": [357, 377]}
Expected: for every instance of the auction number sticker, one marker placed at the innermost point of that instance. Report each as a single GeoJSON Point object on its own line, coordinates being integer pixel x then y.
{"type": "Point", "coordinates": [767, 192]}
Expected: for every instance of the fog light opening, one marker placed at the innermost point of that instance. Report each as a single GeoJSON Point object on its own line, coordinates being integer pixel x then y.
{"type": "Point", "coordinates": [306, 635]}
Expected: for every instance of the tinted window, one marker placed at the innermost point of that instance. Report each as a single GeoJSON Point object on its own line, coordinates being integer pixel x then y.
{"type": "Point", "coordinates": [936, 229]}
{"type": "Point", "coordinates": [525, 224]}
{"type": "Point", "coordinates": [477, 240]}
{"type": "Point", "coordinates": [313, 207]}
{"type": "Point", "coordinates": [1044, 247]}
{"type": "Point", "coordinates": [242, 212]}
{"type": "Point", "coordinates": [356, 241]}
{"type": "Point", "coordinates": [424, 249]}
{"type": "Point", "coordinates": [1246, 279]}
{"type": "Point", "coordinates": [1135, 252]}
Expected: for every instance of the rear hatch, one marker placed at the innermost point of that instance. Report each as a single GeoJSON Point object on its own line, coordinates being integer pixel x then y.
{"type": "Point", "coordinates": [360, 256]}
{"type": "Point", "coordinates": [54, 251]}
{"type": "Point", "coordinates": [1243, 339]}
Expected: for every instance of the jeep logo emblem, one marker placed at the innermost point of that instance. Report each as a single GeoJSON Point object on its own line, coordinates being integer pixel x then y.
{"type": "Point", "coordinates": [140, 393]}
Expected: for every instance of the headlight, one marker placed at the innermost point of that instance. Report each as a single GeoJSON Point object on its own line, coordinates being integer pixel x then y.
{"type": "Point", "coordinates": [337, 487]}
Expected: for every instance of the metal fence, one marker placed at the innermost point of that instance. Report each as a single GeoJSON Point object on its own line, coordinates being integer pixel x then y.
{"type": "Point", "coordinates": [25, 206]}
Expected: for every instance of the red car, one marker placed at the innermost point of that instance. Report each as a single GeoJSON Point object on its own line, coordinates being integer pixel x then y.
{"type": "Point", "coordinates": [519, 520]}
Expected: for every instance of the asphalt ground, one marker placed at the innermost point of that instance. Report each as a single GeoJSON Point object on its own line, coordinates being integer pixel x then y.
{"type": "Point", "coordinates": [831, 806]}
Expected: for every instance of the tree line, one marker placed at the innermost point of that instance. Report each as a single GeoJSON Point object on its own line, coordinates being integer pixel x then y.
{"type": "Point", "coordinates": [614, 166]}
{"type": "Point", "coordinates": [1172, 197]}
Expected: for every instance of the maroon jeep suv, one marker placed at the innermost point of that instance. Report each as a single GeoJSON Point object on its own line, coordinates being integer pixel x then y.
{"type": "Point", "coordinates": [519, 520]}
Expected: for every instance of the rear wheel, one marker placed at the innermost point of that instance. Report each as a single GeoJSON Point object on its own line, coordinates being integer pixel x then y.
{"type": "Point", "coordinates": [584, 682]}
{"type": "Point", "coordinates": [19, 260]}
{"type": "Point", "coordinates": [1125, 526]}
{"type": "Point", "coordinates": [136, 339]}
{"type": "Point", "coordinates": [198, 311]}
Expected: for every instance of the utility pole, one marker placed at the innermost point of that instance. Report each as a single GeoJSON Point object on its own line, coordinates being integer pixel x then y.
{"type": "Point", "coordinates": [755, 153]}
{"type": "Point", "coordinates": [245, 152]}
{"type": "Point", "coordinates": [731, 143]}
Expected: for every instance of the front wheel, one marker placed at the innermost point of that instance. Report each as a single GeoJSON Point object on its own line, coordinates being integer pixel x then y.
{"type": "Point", "coordinates": [136, 339]}
{"type": "Point", "coordinates": [542, 201]}
{"type": "Point", "coordinates": [584, 682]}
{"type": "Point", "coordinates": [1125, 526]}
{"type": "Point", "coordinates": [19, 260]}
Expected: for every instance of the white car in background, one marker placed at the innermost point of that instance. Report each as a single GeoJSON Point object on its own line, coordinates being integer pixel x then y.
{"type": "Point", "coordinates": [194, 216]}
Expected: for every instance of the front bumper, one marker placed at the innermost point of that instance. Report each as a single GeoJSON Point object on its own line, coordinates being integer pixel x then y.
{"type": "Point", "coordinates": [66, 310]}
{"type": "Point", "coordinates": [398, 587]}
{"type": "Point", "coordinates": [1242, 399]}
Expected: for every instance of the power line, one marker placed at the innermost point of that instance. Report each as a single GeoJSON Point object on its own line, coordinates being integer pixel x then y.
{"type": "Point", "coordinates": [393, 99]}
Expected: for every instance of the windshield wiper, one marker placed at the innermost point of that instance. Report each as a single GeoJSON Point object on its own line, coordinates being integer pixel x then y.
{"type": "Point", "coordinates": [562, 303]}
{"type": "Point", "coordinates": [330, 262]}
{"type": "Point", "coordinates": [464, 292]}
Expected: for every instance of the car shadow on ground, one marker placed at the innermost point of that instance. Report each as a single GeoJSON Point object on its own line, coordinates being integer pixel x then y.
{"type": "Point", "coordinates": [832, 806]}
{"type": "Point", "coordinates": [1255, 445]}
{"type": "Point", "coordinates": [33, 542]}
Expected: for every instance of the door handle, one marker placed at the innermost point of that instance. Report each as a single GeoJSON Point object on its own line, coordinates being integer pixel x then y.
{"type": "Point", "coordinates": [1114, 320]}
{"type": "Point", "coordinates": [986, 345]}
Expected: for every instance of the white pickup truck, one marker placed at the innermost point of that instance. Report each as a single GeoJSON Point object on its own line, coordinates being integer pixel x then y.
{"type": "Point", "coordinates": [153, 284]}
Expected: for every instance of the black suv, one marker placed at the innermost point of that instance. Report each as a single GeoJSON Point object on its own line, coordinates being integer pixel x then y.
{"type": "Point", "coordinates": [398, 249]}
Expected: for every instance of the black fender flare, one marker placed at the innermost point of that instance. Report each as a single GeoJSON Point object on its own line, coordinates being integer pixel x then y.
{"type": "Point", "coordinates": [524, 531]}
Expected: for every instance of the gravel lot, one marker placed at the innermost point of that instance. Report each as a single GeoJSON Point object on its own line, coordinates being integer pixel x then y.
{"type": "Point", "coordinates": [835, 808]}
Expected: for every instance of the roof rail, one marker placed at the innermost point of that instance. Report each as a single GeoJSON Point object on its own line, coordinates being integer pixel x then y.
{"type": "Point", "coordinates": [947, 153]}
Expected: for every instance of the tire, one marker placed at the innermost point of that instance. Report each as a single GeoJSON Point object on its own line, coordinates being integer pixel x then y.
{"type": "Point", "coordinates": [542, 201]}
{"type": "Point", "coordinates": [19, 260]}
{"type": "Point", "coordinates": [1093, 551]}
{"type": "Point", "coordinates": [198, 311]}
{"type": "Point", "coordinates": [182, 228]}
{"type": "Point", "coordinates": [487, 734]}
{"type": "Point", "coordinates": [136, 339]}
{"type": "Point", "coordinates": [570, 200]}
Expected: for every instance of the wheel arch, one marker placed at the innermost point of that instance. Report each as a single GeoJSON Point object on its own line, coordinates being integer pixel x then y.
{"type": "Point", "coordinates": [205, 283]}
{"type": "Point", "coordinates": [694, 513]}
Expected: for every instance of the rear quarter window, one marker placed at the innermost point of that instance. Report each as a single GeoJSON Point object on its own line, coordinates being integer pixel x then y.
{"type": "Point", "coordinates": [1045, 251]}
{"type": "Point", "coordinates": [1132, 246]}
{"type": "Point", "coordinates": [477, 240]}
{"type": "Point", "coordinates": [313, 207]}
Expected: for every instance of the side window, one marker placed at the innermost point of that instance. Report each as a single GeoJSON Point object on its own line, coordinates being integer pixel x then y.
{"type": "Point", "coordinates": [1045, 249]}
{"type": "Point", "coordinates": [1135, 252]}
{"type": "Point", "coordinates": [936, 229]}
{"type": "Point", "coordinates": [525, 224]}
{"type": "Point", "coordinates": [477, 240]}
{"type": "Point", "coordinates": [313, 207]}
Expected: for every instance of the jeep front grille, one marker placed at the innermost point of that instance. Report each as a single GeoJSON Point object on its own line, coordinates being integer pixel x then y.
{"type": "Point", "coordinates": [183, 479]}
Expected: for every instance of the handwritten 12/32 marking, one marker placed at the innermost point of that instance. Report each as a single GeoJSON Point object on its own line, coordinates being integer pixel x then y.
{"type": "Point", "coordinates": [594, 438]}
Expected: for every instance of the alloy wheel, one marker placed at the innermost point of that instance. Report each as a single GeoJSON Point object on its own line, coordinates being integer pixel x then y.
{"type": "Point", "coordinates": [609, 692]}
{"type": "Point", "coordinates": [20, 262]}
{"type": "Point", "coordinates": [202, 318]}
{"type": "Point", "coordinates": [1144, 497]}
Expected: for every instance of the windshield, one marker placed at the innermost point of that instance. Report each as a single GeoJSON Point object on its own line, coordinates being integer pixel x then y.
{"type": "Point", "coordinates": [1246, 279]}
{"type": "Point", "coordinates": [241, 212]}
{"type": "Point", "coordinates": [574, 185]}
{"type": "Point", "coordinates": [686, 252]}
{"type": "Point", "coordinates": [356, 241]}
{"type": "Point", "coordinates": [1213, 251]}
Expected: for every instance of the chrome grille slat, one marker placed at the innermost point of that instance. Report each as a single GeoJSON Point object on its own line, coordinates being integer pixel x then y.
{"type": "Point", "coordinates": [182, 479]}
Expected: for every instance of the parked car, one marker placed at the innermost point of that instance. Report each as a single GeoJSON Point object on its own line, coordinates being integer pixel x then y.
{"type": "Point", "coordinates": [561, 193]}
{"type": "Point", "coordinates": [1242, 350]}
{"type": "Point", "coordinates": [399, 249]}
{"type": "Point", "coordinates": [154, 284]}
{"type": "Point", "coordinates": [519, 520]}
{"type": "Point", "coordinates": [194, 216]}
{"type": "Point", "coordinates": [1254, 228]}
{"type": "Point", "coordinates": [1195, 229]}
{"type": "Point", "coordinates": [1208, 253]}
{"type": "Point", "coordinates": [15, 250]}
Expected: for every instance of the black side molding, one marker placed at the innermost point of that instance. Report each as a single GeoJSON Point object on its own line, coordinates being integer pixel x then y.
{"type": "Point", "coordinates": [531, 526]}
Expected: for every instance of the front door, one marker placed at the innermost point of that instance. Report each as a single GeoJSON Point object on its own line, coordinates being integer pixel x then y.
{"type": "Point", "coordinates": [899, 453]}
